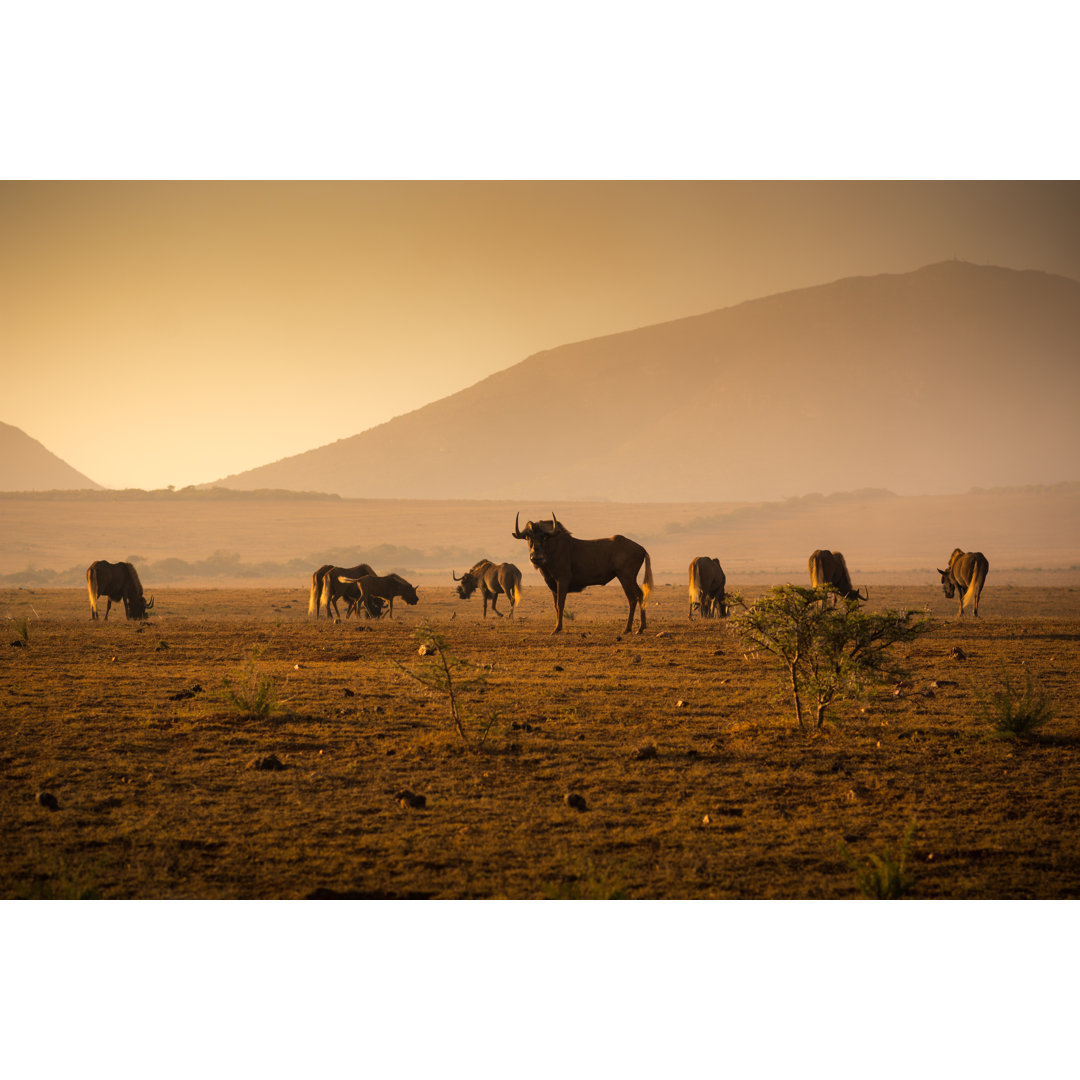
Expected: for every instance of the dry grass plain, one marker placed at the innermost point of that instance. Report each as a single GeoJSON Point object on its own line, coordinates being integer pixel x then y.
{"type": "Point", "coordinates": [696, 782]}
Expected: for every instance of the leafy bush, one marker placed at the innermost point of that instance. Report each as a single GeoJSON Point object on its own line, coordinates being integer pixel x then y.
{"type": "Point", "coordinates": [826, 648]}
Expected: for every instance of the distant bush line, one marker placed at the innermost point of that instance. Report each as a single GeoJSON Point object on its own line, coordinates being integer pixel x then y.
{"type": "Point", "coordinates": [213, 494]}
{"type": "Point", "coordinates": [386, 558]}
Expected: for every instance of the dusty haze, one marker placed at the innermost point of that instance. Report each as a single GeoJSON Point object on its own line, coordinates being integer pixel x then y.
{"type": "Point", "coordinates": [239, 323]}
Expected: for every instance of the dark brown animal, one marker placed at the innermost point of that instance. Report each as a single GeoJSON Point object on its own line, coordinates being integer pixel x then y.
{"type": "Point", "coordinates": [569, 565]}
{"type": "Point", "coordinates": [493, 580]}
{"type": "Point", "coordinates": [322, 597]}
{"type": "Point", "coordinates": [707, 583]}
{"type": "Point", "coordinates": [376, 592]}
{"type": "Point", "coordinates": [967, 572]}
{"type": "Point", "coordinates": [116, 582]}
{"type": "Point", "coordinates": [829, 570]}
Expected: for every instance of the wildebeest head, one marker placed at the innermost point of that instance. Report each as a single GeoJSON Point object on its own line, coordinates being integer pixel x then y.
{"type": "Point", "coordinates": [947, 583]}
{"type": "Point", "coordinates": [539, 534]}
{"type": "Point", "coordinates": [468, 584]}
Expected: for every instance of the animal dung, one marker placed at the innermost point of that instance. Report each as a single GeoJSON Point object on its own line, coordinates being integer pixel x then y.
{"type": "Point", "coordinates": [48, 800]}
{"type": "Point", "coordinates": [573, 799]}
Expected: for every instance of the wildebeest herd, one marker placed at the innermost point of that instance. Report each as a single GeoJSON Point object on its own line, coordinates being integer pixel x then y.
{"type": "Point", "coordinates": [567, 565]}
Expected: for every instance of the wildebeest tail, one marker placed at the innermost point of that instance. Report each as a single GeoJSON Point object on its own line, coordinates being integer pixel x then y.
{"type": "Point", "coordinates": [647, 582]}
{"type": "Point", "coordinates": [516, 598]}
{"type": "Point", "coordinates": [313, 601]}
{"type": "Point", "coordinates": [91, 587]}
{"type": "Point", "coordinates": [978, 577]}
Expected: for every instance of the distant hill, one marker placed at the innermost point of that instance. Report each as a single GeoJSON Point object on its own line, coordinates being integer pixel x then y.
{"type": "Point", "coordinates": [935, 381]}
{"type": "Point", "coordinates": [25, 465]}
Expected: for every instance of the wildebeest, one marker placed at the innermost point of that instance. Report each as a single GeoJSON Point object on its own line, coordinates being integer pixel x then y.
{"type": "Point", "coordinates": [707, 582]}
{"type": "Point", "coordinates": [493, 580]}
{"type": "Point", "coordinates": [116, 582]}
{"type": "Point", "coordinates": [375, 591]}
{"type": "Point", "coordinates": [319, 594]}
{"type": "Point", "coordinates": [570, 565]}
{"type": "Point", "coordinates": [966, 572]}
{"type": "Point", "coordinates": [828, 568]}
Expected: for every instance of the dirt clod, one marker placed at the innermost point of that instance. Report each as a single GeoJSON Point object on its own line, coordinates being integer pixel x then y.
{"type": "Point", "coordinates": [409, 800]}
{"type": "Point", "coordinates": [270, 763]}
{"type": "Point", "coordinates": [48, 800]}
{"type": "Point", "coordinates": [573, 799]}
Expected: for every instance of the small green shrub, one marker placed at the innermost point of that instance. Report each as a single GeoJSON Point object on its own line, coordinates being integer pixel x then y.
{"type": "Point", "coordinates": [884, 876]}
{"type": "Point", "coordinates": [1015, 714]}
{"type": "Point", "coordinates": [448, 674]}
{"type": "Point", "coordinates": [251, 693]}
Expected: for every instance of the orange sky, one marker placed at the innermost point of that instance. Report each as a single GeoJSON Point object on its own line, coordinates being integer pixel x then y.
{"type": "Point", "coordinates": [171, 333]}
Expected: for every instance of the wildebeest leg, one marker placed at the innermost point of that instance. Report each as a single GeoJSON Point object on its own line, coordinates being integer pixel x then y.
{"type": "Point", "coordinates": [108, 604]}
{"type": "Point", "coordinates": [634, 597]}
{"type": "Point", "coordinates": [559, 596]}
{"type": "Point", "coordinates": [494, 601]}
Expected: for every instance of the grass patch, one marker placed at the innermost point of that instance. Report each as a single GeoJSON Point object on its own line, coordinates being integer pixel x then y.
{"type": "Point", "coordinates": [884, 876]}
{"type": "Point", "coordinates": [250, 692]}
{"type": "Point", "coordinates": [1016, 714]}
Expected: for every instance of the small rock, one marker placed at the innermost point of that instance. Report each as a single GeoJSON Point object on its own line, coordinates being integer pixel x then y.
{"type": "Point", "coordinates": [426, 650]}
{"type": "Point", "coordinates": [48, 800]}
{"type": "Point", "coordinates": [937, 684]}
{"type": "Point", "coordinates": [663, 633]}
{"type": "Point", "coordinates": [18, 643]}
{"type": "Point", "coordinates": [958, 653]}
{"type": "Point", "coordinates": [558, 667]}
{"type": "Point", "coordinates": [680, 704]}
{"type": "Point", "coordinates": [705, 820]}
{"type": "Point", "coordinates": [407, 799]}
{"type": "Point", "coordinates": [635, 659]}
{"type": "Point", "coordinates": [576, 801]}
{"type": "Point", "coordinates": [349, 693]}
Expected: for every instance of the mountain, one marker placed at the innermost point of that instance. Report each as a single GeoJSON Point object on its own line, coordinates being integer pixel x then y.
{"type": "Point", "coordinates": [25, 465]}
{"type": "Point", "coordinates": [938, 380]}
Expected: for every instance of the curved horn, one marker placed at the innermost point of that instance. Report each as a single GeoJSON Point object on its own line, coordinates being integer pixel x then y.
{"type": "Point", "coordinates": [860, 595]}
{"type": "Point", "coordinates": [455, 577]}
{"type": "Point", "coordinates": [941, 571]}
{"type": "Point", "coordinates": [516, 534]}
{"type": "Point", "coordinates": [554, 519]}
{"type": "Point", "coordinates": [150, 604]}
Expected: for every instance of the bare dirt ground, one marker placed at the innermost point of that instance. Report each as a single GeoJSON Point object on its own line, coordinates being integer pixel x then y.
{"type": "Point", "coordinates": [695, 781]}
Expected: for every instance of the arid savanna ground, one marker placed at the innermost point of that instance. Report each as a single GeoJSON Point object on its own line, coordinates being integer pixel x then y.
{"type": "Point", "coordinates": [694, 779]}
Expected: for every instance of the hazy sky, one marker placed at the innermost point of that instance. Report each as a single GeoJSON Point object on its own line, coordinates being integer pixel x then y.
{"type": "Point", "coordinates": [157, 333]}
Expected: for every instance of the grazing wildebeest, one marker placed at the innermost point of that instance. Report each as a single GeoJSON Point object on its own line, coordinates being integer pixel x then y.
{"type": "Point", "coordinates": [828, 568]}
{"type": "Point", "coordinates": [966, 572]}
{"type": "Point", "coordinates": [377, 592]}
{"type": "Point", "coordinates": [570, 565]}
{"type": "Point", "coordinates": [493, 580]}
{"type": "Point", "coordinates": [707, 582]}
{"type": "Point", "coordinates": [116, 582]}
{"type": "Point", "coordinates": [319, 593]}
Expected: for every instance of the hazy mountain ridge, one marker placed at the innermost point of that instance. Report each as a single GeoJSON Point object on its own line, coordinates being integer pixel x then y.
{"type": "Point", "coordinates": [952, 376]}
{"type": "Point", "coordinates": [26, 465]}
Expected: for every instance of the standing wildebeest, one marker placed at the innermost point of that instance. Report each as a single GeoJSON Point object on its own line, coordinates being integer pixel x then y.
{"type": "Point", "coordinates": [319, 593]}
{"type": "Point", "coordinates": [116, 582]}
{"type": "Point", "coordinates": [570, 565]}
{"type": "Point", "coordinates": [828, 568]}
{"type": "Point", "coordinates": [493, 579]}
{"type": "Point", "coordinates": [967, 572]}
{"type": "Point", "coordinates": [375, 592]}
{"type": "Point", "coordinates": [707, 582]}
